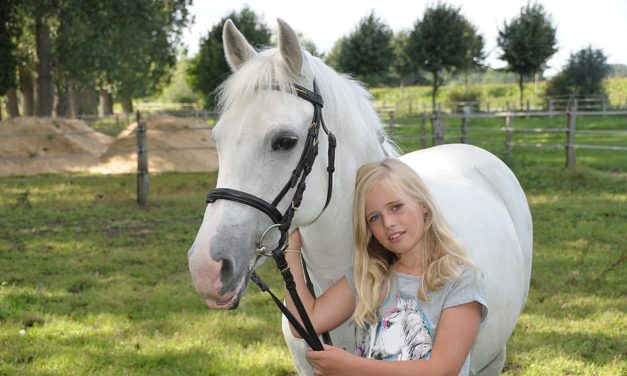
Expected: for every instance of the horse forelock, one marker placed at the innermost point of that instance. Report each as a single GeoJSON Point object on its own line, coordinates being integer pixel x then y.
{"type": "Point", "coordinates": [348, 110]}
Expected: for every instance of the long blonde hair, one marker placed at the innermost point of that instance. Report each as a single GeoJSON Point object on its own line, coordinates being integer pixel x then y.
{"type": "Point", "coordinates": [442, 256]}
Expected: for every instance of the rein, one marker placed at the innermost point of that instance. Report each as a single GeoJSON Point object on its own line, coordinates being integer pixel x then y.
{"type": "Point", "coordinates": [282, 222]}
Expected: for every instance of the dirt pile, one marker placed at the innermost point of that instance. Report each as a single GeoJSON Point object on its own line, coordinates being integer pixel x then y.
{"type": "Point", "coordinates": [31, 146]}
{"type": "Point", "coordinates": [174, 144]}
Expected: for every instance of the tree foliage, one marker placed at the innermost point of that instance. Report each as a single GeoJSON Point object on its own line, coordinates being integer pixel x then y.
{"type": "Point", "coordinates": [474, 56]}
{"type": "Point", "coordinates": [583, 75]}
{"type": "Point", "coordinates": [401, 65]}
{"type": "Point", "coordinates": [126, 48]}
{"type": "Point", "coordinates": [367, 53]}
{"type": "Point", "coordinates": [209, 67]}
{"type": "Point", "coordinates": [527, 42]}
{"type": "Point", "coordinates": [440, 43]}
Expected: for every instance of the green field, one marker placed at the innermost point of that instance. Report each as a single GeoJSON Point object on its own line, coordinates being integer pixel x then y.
{"type": "Point", "coordinates": [92, 284]}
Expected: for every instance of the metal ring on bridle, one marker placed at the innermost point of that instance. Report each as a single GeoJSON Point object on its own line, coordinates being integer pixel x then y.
{"type": "Point", "coordinates": [261, 249]}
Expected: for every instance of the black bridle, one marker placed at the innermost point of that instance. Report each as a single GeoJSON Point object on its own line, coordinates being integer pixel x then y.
{"type": "Point", "coordinates": [282, 222]}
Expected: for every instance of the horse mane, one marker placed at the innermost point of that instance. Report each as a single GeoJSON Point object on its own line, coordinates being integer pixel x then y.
{"type": "Point", "coordinates": [348, 110]}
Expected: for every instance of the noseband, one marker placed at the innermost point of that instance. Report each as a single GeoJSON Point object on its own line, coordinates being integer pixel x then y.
{"type": "Point", "coordinates": [282, 222]}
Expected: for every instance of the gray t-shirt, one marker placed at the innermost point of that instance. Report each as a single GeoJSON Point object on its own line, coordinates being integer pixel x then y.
{"type": "Point", "coordinates": [407, 325]}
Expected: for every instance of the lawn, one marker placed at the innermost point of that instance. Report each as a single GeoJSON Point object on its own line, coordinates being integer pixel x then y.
{"type": "Point", "coordinates": [90, 283]}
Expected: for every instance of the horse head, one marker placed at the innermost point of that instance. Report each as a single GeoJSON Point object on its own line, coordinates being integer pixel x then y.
{"type": "Point", "coordinates": [260, 137]}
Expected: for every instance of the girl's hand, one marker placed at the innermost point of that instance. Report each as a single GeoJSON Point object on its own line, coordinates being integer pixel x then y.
{"type": "Point", "coordinates": [331, 361]}
{"type": "Point", "coordinates": [294, 240]}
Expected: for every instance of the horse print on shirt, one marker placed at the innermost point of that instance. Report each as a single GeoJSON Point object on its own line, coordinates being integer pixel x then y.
{"type": "Point", "coordinates": [404, 333]}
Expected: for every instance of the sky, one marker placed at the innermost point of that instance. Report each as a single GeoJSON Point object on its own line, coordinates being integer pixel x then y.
{"type": "Point", "coordinates": [599, 23]}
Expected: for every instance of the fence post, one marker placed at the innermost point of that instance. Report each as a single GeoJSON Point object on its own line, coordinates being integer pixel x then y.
{"type": "Point", "coordinates": [423, 130]}
{"type": "Point", "coordinates": [550, 106]}
{"type": "Point", "coordinates": [143, 181]}
{"type": "Point", "coordinates": [437, 128]}
{"type": "Point", "coordinates": [571, 157]}
{"type": "Point", "coordinates": [464, 137]}
{"type": "Point", "coordinates": [509, 133]}
{"type": "Point", "coordinates": [392, 115]}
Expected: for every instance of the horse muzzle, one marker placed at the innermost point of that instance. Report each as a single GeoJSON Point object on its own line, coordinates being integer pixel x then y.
{"type": "Point", "coordinates": [216, 282]}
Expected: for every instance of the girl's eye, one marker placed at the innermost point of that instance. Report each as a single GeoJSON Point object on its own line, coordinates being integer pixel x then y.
{"type": "Point", "coordinates": [396, 207]}
{"type": "Point", "coordinates": [374, 218]}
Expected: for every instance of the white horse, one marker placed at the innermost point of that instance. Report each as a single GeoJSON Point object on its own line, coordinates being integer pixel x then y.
{"type": "Point", "coordinates": [259, 139]}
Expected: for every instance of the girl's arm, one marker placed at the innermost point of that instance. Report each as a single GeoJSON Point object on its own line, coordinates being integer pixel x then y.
{"type": "Point", "coordinates": [329, 310]}
{"type": "Point", "coordinates": [454, 337]}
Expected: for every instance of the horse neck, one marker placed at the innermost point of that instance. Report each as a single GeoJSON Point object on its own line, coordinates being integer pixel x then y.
{"type": "Point", "coordinates": [329, 241]}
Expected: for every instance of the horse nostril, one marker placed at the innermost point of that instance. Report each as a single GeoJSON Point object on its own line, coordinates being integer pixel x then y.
{"type": "Point", "coordinates": [227, 272]}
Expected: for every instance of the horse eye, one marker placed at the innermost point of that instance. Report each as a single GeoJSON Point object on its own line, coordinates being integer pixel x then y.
{"type": "Point", "coordinates": [285, 143]}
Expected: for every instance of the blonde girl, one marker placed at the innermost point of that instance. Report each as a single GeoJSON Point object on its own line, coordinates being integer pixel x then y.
{"type": "Point", "coordinates": [414, 295]}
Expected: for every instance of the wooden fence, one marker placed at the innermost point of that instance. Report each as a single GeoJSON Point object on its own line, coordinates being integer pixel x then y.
{"type": "Point", "coordinates": [441, 128]}
{"type": "Point", "coordinates": [431, 129]}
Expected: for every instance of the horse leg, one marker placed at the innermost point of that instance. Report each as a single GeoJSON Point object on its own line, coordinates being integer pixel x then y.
{"type": "Point", "coordinates": [495, 366]}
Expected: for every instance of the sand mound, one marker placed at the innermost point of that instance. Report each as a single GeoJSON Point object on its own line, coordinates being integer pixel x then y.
{"type": "Point", "coordinates": [31, 146]}
{"type": "Point", "coordinates": [174, 144]}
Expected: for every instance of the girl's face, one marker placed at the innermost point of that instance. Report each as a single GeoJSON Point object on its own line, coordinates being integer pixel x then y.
{"type": "Point", "coordinates": [396, 221]}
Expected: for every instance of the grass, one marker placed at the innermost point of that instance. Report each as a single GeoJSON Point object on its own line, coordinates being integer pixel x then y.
{"type": "Point", "coordinates": [92, 284]}
{"type": "Point", "coordinates": [574, 321]}
{"type": "Point", "coordinates": [99, 286]}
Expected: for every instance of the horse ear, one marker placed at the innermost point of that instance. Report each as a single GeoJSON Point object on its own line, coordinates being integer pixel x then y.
{"type": "Point", "coordinates": [237, 50]}
{"type": "Point", "coordinates": [290, 47]}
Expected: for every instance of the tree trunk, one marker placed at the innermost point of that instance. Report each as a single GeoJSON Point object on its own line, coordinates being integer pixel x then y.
{"type": "Point", "coordinates": [12, 107]}
{"type": "Point", "coordinates": [26, 87]}
{"type": "Point", "coordinates": [45, 90]}
{"type": "Point", "coordinates": [520, 85]}
{"type": "Point", "coordinates": [106, 99]}
{"type": "Point", "coordinates": [62, 105]}
{"type": "Point", "coordinates": [74, 103]}
{"type": "Point", "coordinates": [434, 91]}
{"type": "Point", "coordinates": [88, 100]}
{"type": "Point", "coordinates": [127, 105]}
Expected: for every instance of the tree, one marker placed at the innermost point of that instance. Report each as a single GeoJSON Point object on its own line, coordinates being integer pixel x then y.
{"type": "Point", "coordinates": [134, 58]}
{"type": "Point", "coordinates": [333, 57]}
{"type": "Point", "coordinates": [8, 64]}
{"type": "Point", "coordinates": [178, 90]}
{"type": "Point", "coordinates": [401, 65]}
{"type": "Point", "coordinates": [583, 75]}
{"type": "Point", "coordinates": [209, 67]}
{"type": "Point", "coordinates": [367, 52]}
{"type": "Point", "coordinates": [438, 44]}
{"type": "Point", "coordinates": [474, 55]}
{"type": "Point", "coordinates": [527, 42]}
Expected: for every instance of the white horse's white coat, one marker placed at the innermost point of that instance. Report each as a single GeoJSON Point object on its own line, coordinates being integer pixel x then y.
{"type": "Point", "coordinates": [478, 194]}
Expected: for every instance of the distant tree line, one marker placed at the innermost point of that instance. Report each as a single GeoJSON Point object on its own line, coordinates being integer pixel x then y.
{"type": "Point", "coordinates": [66, 56]}
{"type": "Point", "coordinates": [441, 45]}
